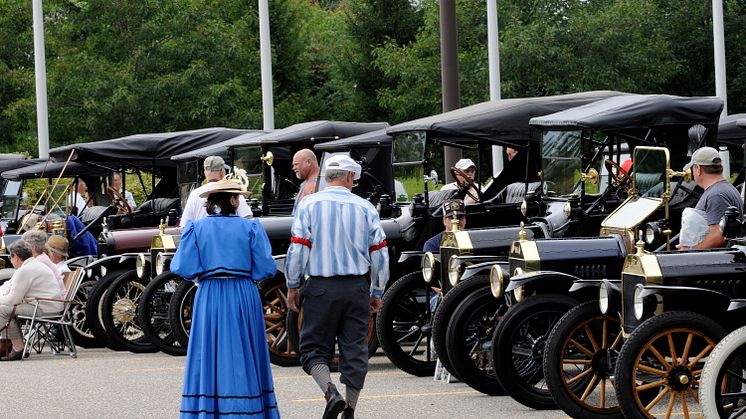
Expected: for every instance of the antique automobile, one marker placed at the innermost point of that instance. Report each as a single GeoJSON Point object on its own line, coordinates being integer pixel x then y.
{"type": "Point", "coordinates": [150, 153]}
{"type": "Point", "coordinates": [265, 164]}
{"type": "Point", "coordinates": [577, 336]}
{"type": "Point", "coordinates": [404, 321]}
{"type": "Point", "coordinates": [582, 149]}
{"type": "Point", "coordinates": [540, 272]}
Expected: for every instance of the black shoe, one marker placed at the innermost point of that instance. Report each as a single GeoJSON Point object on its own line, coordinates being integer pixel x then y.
{"type": "Point", "coordinates": [348, 413]}
{"type": "Point", "coordinates": [13, 356]}
{"type": "Point", "coordinates": [334, 402]}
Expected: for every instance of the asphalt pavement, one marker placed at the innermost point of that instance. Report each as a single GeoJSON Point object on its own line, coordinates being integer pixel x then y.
{"type": "Point", "coordinates": [103, 383]}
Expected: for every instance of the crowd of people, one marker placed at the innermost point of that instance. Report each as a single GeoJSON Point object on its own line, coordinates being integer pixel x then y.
{"type": "Point", "coordinates": [336, 272]}
{"type": "Point", "coordinates": [37, 279]}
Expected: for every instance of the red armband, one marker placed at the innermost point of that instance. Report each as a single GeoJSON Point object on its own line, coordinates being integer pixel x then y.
{"type": "Point", "coordinates": [301, 240]}
{"type": "Point", "coordinates": [379, 246]}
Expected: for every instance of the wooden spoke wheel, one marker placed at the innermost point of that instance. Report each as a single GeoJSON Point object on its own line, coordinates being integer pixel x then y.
{"type": "Point", "coordinates": [659, 366]}
{"type": "Point", "coordinates": [274, 298]}
{"type": "Point", "coordinates": [119, 313]}
{"type": "Point", "coordinates": [579, 361]}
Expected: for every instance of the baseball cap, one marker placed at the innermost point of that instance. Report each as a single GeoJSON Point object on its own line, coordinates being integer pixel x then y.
{"type": "Point", "coordinates": [342, 162]}
{"type": "Point", "coordinates": [214, 164]}
{"type": "Point", "coordinates": [705, 156]}
{"type": "Point", "coordinates": [453, 207]}
{"type": "Point", "coordinates": [57, 244]}
{"type": "Point", "coordinates": [464, 164]}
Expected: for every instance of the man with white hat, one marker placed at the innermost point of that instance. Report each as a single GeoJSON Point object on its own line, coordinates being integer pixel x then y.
{"type": "Point", "coordinates": [337, 240]}
{"type": "Point", "coordinates": [214, 167]}
{"type": "Point", "coordinates": [470, 169]}
{"type": "Point", "coordinates": [707, 169]}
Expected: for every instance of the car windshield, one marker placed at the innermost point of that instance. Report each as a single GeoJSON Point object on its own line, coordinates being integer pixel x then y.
{"type": "Point", "coordinates": [409, 172]}
{"type": "Point", "coordinates": [249, 158]}
{"type": "Point", "coordinates": [562, 167]}
{"type": "Point", "coordinates": [188, 177]}
{"type": "Point", "coordinates": [11, 199]}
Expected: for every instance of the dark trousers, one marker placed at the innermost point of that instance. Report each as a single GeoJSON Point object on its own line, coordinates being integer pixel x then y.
{"type": "Point", "coordinates": [336, 309]}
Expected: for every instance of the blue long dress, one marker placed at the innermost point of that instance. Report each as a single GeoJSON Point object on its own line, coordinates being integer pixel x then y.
{"type": "Point", "coordinates": [227, 366]}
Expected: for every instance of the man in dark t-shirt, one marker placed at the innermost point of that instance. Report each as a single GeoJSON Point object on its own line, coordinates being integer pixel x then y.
{"type": "Point", "coordinates": [707, 169]}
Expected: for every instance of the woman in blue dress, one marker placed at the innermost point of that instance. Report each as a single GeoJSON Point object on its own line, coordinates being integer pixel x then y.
{"type": "Point", "coordinates": [227, 367]}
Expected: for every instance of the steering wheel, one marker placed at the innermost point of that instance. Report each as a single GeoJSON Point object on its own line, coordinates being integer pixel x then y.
{"type": "Point", "coordinates": [118, 200]}
{"type": "Point", "coordinates": [620, 177]}
{"type": "Point", "coordinates": [466, 183]}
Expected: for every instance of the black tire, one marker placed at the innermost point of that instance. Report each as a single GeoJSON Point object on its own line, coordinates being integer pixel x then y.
{"type": "Point", "coordinates": [119, 313]}
{"type": "Point", "coordinates": [180, 312]}
{"type": "Point", "coordinates": [274, 300]}
{"type": "Point", "coordinates": [724, 371]}
{"type": "Point", "coordinates": [152, 313]}
{"type": "Point", "coordinates": [685, 329]}
{"type": "Point", "coordinates": [575, 375]}
{"type": "Point", "coordinates": [518, 347]}
{"type": "Point", "coordinates": [93, 309]}
{"type": "Point", "coordinates": [443, 314]}
{"type": "Point", "coordinates": [404, 312]}
{"type": "Point", "coordinates": [82, 334]}
{"type": "Point", "coordinates": [469, 338]}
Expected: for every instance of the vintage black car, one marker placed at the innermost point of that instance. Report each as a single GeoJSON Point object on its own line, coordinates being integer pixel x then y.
{"type": "Point", "coordinates": [134, 154]}
{"type": "Point", "coordinates": [403, 323]}
{"type": "Point", "coordinates": [541, 271]}
{"type": "Point", "coordinates": [266, 164]}
{"type": "Point", "coordinates": [577, 335]}
{"type": "Point", "coordinates": [604, 133]}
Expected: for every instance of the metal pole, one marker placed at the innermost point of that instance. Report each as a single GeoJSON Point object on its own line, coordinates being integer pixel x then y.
{"type": "Point", "coordinates": [265, 48]}
{"type": "Point", "coordinates": [493, 48]}
{"type": "Point", "coordinates": [40, 72]}
{"type": "Point", "coordinates": [718, 35]}
{"type": "Point", "coordinates": [449, 71]}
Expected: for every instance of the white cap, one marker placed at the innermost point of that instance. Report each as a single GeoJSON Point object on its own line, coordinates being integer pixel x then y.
{"type": "Point", "coordinates": [342, 162]}
{"type": "Point", "coordinates": [464, 164]}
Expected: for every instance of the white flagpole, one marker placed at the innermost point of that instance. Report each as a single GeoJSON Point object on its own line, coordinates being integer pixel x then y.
{"type": "Point", "coordinates": [718, 35]}
{"type": "Point", "coordinates": [40, 72]}
{"type": "Point", "coordinates": [265, 48]}
{"type": "Point", "coordinates": [493, 47]}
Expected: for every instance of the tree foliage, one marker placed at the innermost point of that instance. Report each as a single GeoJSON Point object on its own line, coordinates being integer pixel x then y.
{"type": "Point", "coordinates": [120, 67]}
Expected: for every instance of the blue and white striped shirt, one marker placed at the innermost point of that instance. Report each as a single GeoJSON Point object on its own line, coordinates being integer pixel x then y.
{"type": "Point", "coordinates": [335, 232]}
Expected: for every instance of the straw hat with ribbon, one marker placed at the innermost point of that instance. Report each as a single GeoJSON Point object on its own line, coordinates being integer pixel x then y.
{"type": "Point", "coordinates": [226, 186]}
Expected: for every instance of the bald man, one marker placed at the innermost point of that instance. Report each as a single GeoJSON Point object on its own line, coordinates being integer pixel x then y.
{"type": "Point", "coordinates": [306, 168]}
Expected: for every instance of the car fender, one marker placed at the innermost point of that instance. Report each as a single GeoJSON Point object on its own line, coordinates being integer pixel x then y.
{"type": "Point", "coordinates": [705, 297]}
{"type": "Point", "coordinates": [408, 255]}
{"type": "Point", "coordinates": [483, 268]}
{"type": "Point", "coordinates": [542, 277]}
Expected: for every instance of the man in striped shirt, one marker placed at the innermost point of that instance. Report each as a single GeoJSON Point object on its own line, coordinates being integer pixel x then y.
{"type": "Point", "coordinates": [337, 241]}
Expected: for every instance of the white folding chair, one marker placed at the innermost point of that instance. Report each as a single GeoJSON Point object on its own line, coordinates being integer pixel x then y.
{"type": "Point", "coordinates": [40, 328]}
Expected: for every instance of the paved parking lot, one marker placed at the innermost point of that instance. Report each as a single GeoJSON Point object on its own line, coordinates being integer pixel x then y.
{"type": "Point", "coordinates": [104, 383]}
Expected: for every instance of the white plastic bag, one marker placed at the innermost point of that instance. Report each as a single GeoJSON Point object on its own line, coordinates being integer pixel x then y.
{"type": "Point", "coordinates": [694, 227]}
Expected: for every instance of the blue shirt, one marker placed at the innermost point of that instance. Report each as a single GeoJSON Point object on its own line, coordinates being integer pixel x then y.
{"type": "Point", "coordinates": [433, 243]}
{"type": "Point", "coordinates": [224, 245]}
{"type": "Point", "coordinates": [335, 232]}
